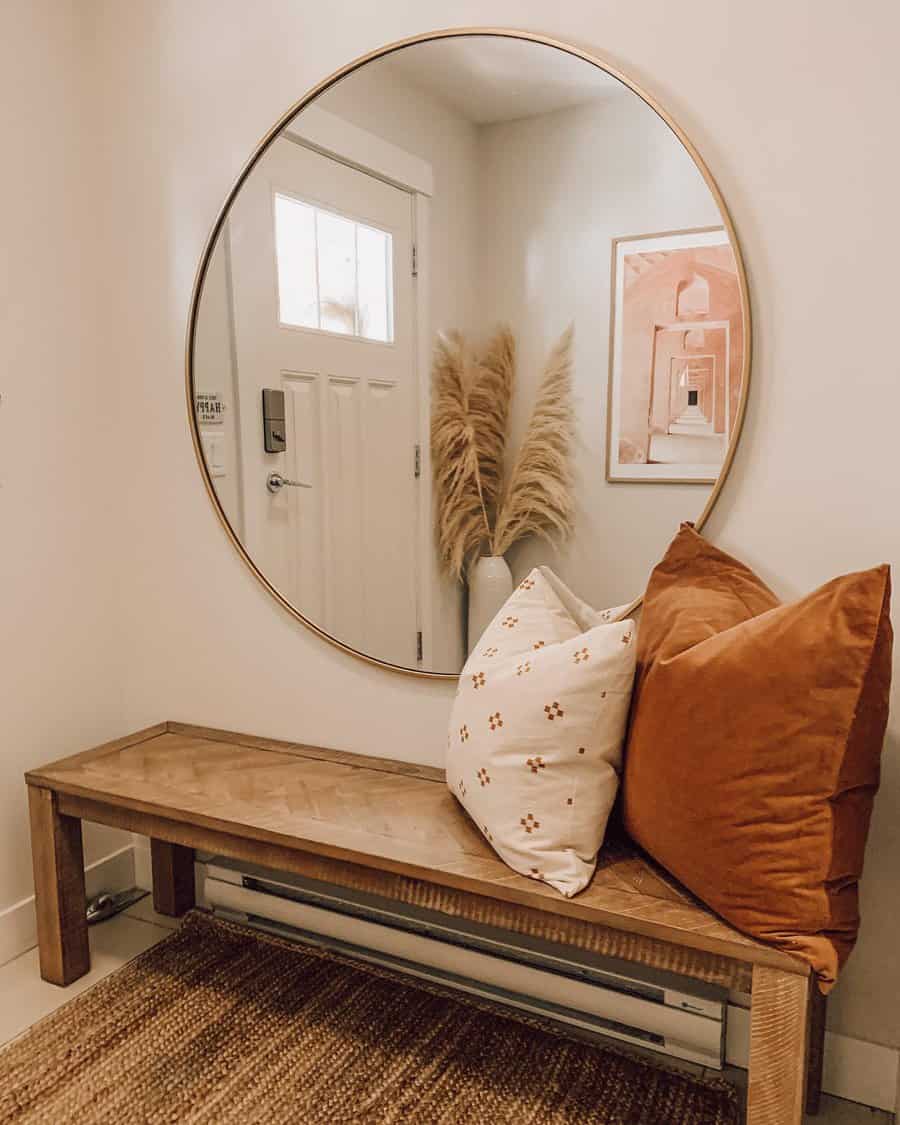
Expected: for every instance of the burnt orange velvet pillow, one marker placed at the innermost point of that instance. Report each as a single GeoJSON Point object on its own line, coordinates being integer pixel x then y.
{"type": "Point", "coordinates": [756, 733]}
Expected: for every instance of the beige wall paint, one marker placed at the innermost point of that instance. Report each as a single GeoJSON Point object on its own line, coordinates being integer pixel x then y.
{"type": "Point", "coordinates": [794, 108]}
{"type": "Point", "coordinates": [59, 684]}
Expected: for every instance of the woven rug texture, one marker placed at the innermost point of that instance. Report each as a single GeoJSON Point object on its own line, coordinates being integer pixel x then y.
{"type": "Point", "coordinates": [219, 1024]}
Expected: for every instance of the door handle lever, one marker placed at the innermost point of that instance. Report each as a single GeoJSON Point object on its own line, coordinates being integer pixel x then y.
{"type": "Point", "coordinates": [275, 482]}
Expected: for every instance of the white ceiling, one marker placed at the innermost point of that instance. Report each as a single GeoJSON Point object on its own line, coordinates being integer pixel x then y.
{"type": "Point", "coordinates": [490, 78]}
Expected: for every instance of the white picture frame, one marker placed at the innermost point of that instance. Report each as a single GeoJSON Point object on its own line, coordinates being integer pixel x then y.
{"type": "Point", "coordinates": [675, 296]}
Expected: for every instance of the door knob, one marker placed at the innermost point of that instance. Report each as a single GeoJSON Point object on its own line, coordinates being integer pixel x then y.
{"type": "Point", "coordinates": [275, 482]}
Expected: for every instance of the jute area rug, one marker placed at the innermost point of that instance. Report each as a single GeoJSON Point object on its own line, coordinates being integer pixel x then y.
{"type": "Point", "coordinates": [220, 1024]}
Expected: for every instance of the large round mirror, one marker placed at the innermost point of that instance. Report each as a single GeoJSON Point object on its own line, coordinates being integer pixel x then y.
{"type": "Point", "coordinates": [475, 305]}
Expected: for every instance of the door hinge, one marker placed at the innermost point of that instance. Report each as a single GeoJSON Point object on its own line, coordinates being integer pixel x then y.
{"type": "Point", "coordinates": [419, 645]}
{"type": "Point", "coordinates": [417, 461]}
{"type": "Point", "coordinates": [415, 260]}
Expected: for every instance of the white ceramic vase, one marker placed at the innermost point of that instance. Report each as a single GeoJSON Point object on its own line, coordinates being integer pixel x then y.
{"type": "Point", "coordinates": [490, 584]}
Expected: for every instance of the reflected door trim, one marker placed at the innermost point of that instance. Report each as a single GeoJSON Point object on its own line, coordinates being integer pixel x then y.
{"type": "Point", "coordinates": [331, 135]}
{"type": "Point", "coordinates": [261, 148]}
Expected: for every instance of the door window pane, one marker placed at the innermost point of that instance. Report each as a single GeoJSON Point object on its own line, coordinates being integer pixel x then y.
{"type": "Point", "coordinates": [333, 273]}
{"type": "Point", "coordinates": [295, 240]}
{"type": "Point", "coordinates": [337, 273]}
{"type": "Point", "coordinates": [373, 249]}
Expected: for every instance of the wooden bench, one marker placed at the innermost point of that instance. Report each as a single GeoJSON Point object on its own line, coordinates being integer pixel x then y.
{"type": "Point", "coordinates": [393, 829]}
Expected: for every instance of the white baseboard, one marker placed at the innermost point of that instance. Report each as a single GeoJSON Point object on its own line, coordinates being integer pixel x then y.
{"type": "Point", "coordinates": [18, 928]}
{"type": "Point", "coordinates": [853, 1069]}
{"type": "Point", "coordinates": [143, 874]}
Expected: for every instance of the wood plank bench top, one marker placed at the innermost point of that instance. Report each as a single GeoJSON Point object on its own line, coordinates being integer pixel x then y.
{"type": "Point", "coordinates": [393, 829]}
{"type": "Point", "coordinates": [376, 813]}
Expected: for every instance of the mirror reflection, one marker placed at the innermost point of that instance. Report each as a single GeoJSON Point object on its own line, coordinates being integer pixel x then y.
{"type": "Point", "coordinates": [474, 309]}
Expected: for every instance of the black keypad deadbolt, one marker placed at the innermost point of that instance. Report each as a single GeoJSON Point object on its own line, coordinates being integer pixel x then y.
{"type": "Point", "coordinates": [274, 430]}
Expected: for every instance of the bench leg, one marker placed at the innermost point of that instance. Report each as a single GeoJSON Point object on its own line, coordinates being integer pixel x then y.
{"type": "Point", "coordinates": [58, 861]}
{"type": "Point", "coordinates": [173, 878]}
{"type": "Point", "coordinates": [817, 1008]}
{"type": "Point", "coordinates": [779, 1029]}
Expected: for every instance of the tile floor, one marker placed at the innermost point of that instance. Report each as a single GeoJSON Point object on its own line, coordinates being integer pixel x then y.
{"type": "Point", "coordinates": [27, 999]}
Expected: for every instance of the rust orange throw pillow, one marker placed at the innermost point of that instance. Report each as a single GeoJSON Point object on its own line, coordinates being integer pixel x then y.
{"type": "Point", "coordinates": [756, 733]}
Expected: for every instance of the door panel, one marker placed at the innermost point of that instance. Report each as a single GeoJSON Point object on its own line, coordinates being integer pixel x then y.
{"type": "Point", "coordinates": [345, 558]}
{"type": "Point", "coordinates": [305, 564]}
{"type": "Point", "coordinates": [342, 550]}
{"type": "Point", "coordinates": [386, 519]}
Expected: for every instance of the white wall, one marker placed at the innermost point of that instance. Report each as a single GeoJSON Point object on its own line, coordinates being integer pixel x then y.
{"type": "Point", "coordinates": [798, 127]}
{"type": "Point", "coordinates": [60, 687]}
{"type": "Point", "coordinates": [556, 189]}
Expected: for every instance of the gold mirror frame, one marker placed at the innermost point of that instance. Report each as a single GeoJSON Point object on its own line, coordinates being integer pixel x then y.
{"type": "Point", "coordinates": [272, 134]}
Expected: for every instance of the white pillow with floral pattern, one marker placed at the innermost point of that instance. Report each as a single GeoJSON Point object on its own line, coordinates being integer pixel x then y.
{"type": "Point", "coordinates": [535, 743]}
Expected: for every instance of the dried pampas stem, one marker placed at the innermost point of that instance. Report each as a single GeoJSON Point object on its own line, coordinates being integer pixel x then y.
{"type": "Point", "coordinates": [470, 406]}
{"type": "Point", "coordinates": [489, 402]}
{"type": "Point", "coordinates": [538, 497]}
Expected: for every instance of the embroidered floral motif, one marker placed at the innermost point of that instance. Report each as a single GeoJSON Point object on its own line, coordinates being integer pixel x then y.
{"type": "Point", "coordinates": [626, 638]}
{"type": "Point", "coordinates": [501, 754]}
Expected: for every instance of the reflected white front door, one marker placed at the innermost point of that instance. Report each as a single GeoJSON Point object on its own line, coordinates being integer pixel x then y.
{"type": "Point", "coordinates": [321, 269]}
